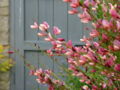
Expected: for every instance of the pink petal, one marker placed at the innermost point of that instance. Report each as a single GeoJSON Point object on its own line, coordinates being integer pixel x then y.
{"type": "Point", "coordinates": [56, 31]}
{"type": "Point", "coordinates": [35, 26]}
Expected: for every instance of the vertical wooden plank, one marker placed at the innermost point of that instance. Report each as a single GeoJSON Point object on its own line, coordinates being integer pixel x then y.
{"type": "Point", "coordinates": [30, 81]}
{"type": "Point", "coordinates": [31, 15]}
{"type": "Point", "coordinates": [19, 30]}
{"type": "Point", "coordinates": [75, 29]}
{"type": "Point", "coordinates": [60, 17]}
{"type": "Point", "coordinates": [60, 20]}
{"type": "Point", "coordinates": [12, 43]}
{"type": "Point", "coordinates": [45, 14]}
{"type": "Point", "coordinates": [46, 11]}
{"type": "Point", "coordinates": [45, 63]}
{"type": "Point", "coordinates": [87, 28]}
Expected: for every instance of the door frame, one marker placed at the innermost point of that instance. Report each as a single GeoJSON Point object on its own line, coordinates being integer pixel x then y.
{"type": "Point", "coordinates": [16, 39]}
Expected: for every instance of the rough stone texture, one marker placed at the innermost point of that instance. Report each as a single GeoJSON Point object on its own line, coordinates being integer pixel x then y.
{"type": "Point", "coordinates": [4, 35]}
{"type": "Point", "coordinates": [4, 3]}
{"type": "Point", "coordinates": [4, 81]}
{"type": "Point", "coordinates": [4, 11]}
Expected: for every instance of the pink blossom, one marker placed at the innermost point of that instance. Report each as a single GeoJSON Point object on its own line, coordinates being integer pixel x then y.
{"type": "Point", "coordinates": [94, 87]}
{"type": "Point", "coordinates": [91, 63]}
{"type": "Point", "coordinates": [48, 72]}
{"type": "Point", "coordinates": [94, 33]}
{"type": "Point", "coordinates": [85, 87]}
{"type": "Point", "coordinates": [105, 37]}
{"type": "Point", "coordinates": [96, 44]}
{"type": "Point", "coordinates": [72, 67]}
{"type": "Point", "coordinates": [60, 39]}
{"type": "Point", "coordinates": [117, 67]}
{"type": "Point", "coordinates": [104, 8]}
{"type": "Point", "coordinates": [118, 25]}
{"type": "Point", "coordinates": [111, 47]}
{"type": "Point", "coordinates": [56, 31]}
{"type": "Point", "coordinates": [54, 43]}
{"type": "Point", "coordinates": [82, 80]}
{"type": "Point", "coordinates": [105, 24]}
{"type": "Point", "coordinates": [116, 45]}
{"type": "Point", "coordinates": [10, 52]}
{"type": "Point", "coordinates": [41, 34]}
{"type": "Point", "coordinates": [58, 82]}
{"type": "Point", "coordinates": [113, 11]}
{"type": "Point", "coordinates": [85, 17]}
{"type": "Point", "coordinates": [51, 87]}
{"type": "Point", "coordinates": [77, 49]}
{"type": "Point", "coordinates": [44, 26]}
{"type": "Point", "coordinates": [74, 3]}
{"type": "Point", "coordinates": [35, 26]}
{"type": "Point", "coordinates": [88, 82]}
{"type": "Point", "coordinates": [102, 51]}
{"type": "Point", "coordinates": [49, 38]}
{"type": "Point", "coordinates": [86, 3]}
{"type": "Point", "coordinates": [49, 51]}
{"type": "Point", "coordinates": [93, 70]}
{"type": "Point", "coordinates": [73, 11]}
{"type": "Point", "coordinates": [67, 0]}
{"type": "Point", "coordinates": [109, 63]}
{"type": "Point", "coordinates": [88, 44]}
{"type": "Point", "coordinates": [91, 56]}
{"type": "Point", "coordinates": [31, 72]}
{"type": "Point", "coordinates": [69, 52]}
{"type": "Point", "coordinates": [69, 44]}
{"type": "Point", "coordinates": [96, 25]}
{"type": "Point", "coordinates": [83, 58]}
{"type": "Point", "coordinates": [84, 39]}
{"type": "Point", "coordinates": [81, 62]}
{"type": "Point", "coordinates": [104, 57]}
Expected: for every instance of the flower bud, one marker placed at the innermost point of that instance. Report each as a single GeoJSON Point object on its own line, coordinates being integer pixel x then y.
{"type": "Point", "coordinates": [44, 26]}
{"type": "Point", "coordinates": [117, 67]}
{"type": "Point", "coordinates": [35, 26]}
{"type": "Point", "coordinates": [56, 30]}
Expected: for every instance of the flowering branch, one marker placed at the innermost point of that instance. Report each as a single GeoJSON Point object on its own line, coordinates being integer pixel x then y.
{"type": "Point", "coordinates": [96, 64]}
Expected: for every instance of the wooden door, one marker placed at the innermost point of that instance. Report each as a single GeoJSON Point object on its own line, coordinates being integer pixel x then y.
{"type": "Point", "coordinates": [23, 38]}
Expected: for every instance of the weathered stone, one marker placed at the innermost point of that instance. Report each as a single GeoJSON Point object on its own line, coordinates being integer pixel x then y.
{"type": "Point", "coordinates": [4, 81]}
{"type": "Point", "coordinates": [4, 35]}
{"type": "Point", "coordinates": [4, 30]}
{"type": "Point", "coordinates": [4, 3]}
{"type": "Point", "coordinates": [4, 76]}
{"type": "Point", "coordinates": [4, 23]}
{"type": "Point", "coordinates": [4, 11]}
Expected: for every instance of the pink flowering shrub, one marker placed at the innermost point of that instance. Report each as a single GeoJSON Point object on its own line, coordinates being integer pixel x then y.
{"type": "Point", "coordinates": [96, 65]}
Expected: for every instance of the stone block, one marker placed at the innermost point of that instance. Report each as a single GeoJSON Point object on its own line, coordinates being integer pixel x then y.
{"type": "Point", "coordinates": [4, 39]}
{"type": "Point", "coordinates": [4, 27]}
{"type": "Point", "coordinates": [4, 3]}
{"type": "Point", "coordinates": [4, 23]}
{"type": "Point", "coordinates": [4, 81]}
{"type": "Point", "coordinates": [4, 11]}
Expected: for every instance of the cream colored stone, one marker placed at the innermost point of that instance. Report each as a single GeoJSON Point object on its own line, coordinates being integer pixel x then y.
{"type": "Point", "coordinates": [4, 3]}
{"type": "Point", "coordinates": [4, 81]}
{"type": "Point", "coordinates": [4, 39]}
{"type": "Point", "coordinates": [4, 11]}
{"type": "Point", "coordinates": [4, 33]}
{"type": "Point", "coordinates": [4, 26]}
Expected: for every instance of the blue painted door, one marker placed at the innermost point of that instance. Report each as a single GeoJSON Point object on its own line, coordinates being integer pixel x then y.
{"type": "Point", "coordinates": [23, 38]}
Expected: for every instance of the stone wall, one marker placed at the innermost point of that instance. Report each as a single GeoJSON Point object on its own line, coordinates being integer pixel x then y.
{"type": "Point", "coordinates": [4, 19]}
{"type": "Point", "coordinates": [4, 34]}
